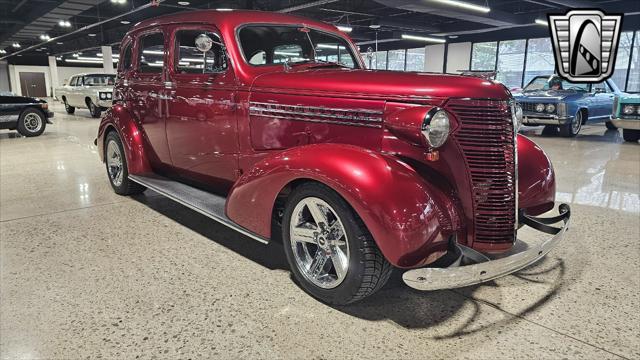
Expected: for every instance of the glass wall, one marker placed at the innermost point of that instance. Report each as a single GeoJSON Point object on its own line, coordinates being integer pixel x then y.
{"type": "Point", "coordinates": [622, 59]}
{"type": "Point", "coordinates": [380, 60]}
{"type": "Point", "coordinates": [415, 59]}
{"type": "Point", "coordinates": [540, 59]}
{"type": "Point", "coordinates": [483, 56]}
{"type": "Point", "coordinates": [633, 84]}
{"type": "Point", "coordinates": [396, 60]}
{"type": "Point", "coordinates": [510, 62]}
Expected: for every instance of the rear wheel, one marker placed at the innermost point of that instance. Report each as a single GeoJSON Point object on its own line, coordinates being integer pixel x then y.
{"type": "Point", "coordinates": [610, 125]}
{"type": "Point", "coordinates": [68, 108]}
{"type": "Point", "coordinates": [31, 123]}
{"type": "Point", "coordinates": [572, 128]}
{"type": "Point", "coordinates": [331, 253]}
{"type": "Point", "coordinates": [630, 135]}
{"type": "Point", "coordinates": [94, 109]}
{"type": "Point", "coordinates": [116, 163]}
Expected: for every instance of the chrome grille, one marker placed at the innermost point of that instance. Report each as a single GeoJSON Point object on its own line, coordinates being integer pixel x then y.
{"type": "Point", "coordinates": [485, 136]}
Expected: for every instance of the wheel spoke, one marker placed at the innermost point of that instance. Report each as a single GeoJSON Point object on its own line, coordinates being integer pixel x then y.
{"type": "Point", "coordinates": [336, 232]}
{"type": "Point", "coordinates": [300, 234]}
{"type": "Point", "coordinates": [340, 262]}
{"type": "Point", "coordinates": [318, 263]}
{"type": "Point", "coordinates": [318, 215]}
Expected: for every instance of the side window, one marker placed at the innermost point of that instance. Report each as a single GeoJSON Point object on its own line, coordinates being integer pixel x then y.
{"type": "Point", "coordinates": [282, 53]}
{"type": "Point", "coordinates": [72, 82]}
{"type": "Point", "coordinates": [601, 88]}
{"type": "Point", "coordinates": [80, 81]}
{"type": "Point", "coordinates": [126, 58]}
{"type": "Point", "coordinates": [151, 56]}
{"type": "Point", "coordinates": [199, 52]}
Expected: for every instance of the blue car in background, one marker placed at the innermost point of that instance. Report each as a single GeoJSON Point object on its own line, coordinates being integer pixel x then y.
{"type": "Point", "coordinates": [555, 102]}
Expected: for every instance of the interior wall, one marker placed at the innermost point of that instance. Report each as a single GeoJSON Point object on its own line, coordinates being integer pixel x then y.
{"type": "Point", "coordinates": [15, 70]}
{"type": "Point", "coordinates": [434, 59]}
{"type": "Point", "coordinates": [458, 57]}
{"type": "Point", "coordinates": [5, 85]}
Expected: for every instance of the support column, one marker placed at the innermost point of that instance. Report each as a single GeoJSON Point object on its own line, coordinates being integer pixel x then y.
{"type": "Point", "coordinates": [107, 59]}
{"type": "Point", "coordinates": [53, 75]}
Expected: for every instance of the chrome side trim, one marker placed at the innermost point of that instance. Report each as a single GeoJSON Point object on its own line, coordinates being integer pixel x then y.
{"type": "Point", "coordinates": [486, 269]}
{"type": "Point", "coordinates": [321, 108]}
{"type": "Point", "coordinates": [319, 121]}
{"type": "Point", "coordinates": [9, 118]}
{"type": "Point", "coordinates": [317, 114]}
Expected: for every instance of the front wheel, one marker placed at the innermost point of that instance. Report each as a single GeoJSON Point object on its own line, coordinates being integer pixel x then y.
{"type": "Point", "coordinates": [610, 125]}
{"type": "Point", "coordinates": [31, 123]}
{"type": "Point", "coordinates": [116, 163]}
{"type": "Point", "coordinates": [68, 108]}
{"type": "Point", "coordinates": [630, 135]}
{"type": "Point", "coordinates": [572, 128]}
{"type": "Point", "coordinates": [94, 109]}
{"type": "Point", "coordinates": [331, 253]}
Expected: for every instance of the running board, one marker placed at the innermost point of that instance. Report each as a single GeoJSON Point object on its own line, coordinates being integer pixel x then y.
{"type": "Point", "coordinates": [207, 204]}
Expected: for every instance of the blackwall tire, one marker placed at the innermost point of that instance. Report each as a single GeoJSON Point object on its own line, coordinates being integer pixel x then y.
{"type": "Point", "coordinates": [610, 125]}
{"type": "Point", "coordinates": [68, 108]}
{"type": "Point", "coordinates": [31, 123]}
{"type": "Point", "coordinates": [630, 135]}
{"type": "Point", "coordinates": [94, 110]}
{"type": "Point", "coordinates": [572, 128]}
{"type": "Point", "coordinates": [366, 268]}
{"type": "Point", "coordinates": [116, 165]}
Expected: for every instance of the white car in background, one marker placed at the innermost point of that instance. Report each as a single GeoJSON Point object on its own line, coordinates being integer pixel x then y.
{"type": "Point", "coordinates": [89, 91]}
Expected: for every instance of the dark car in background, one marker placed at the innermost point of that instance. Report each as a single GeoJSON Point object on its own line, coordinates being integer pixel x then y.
{"type": "Point", "coordinates": [28, 115]}
{"type": "Point", "coordinates": [555, 102]}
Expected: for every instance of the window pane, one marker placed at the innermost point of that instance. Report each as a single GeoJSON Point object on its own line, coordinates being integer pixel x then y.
{"type": "Point", "coordinates": [540, 59]}
{"type": "Point", "coordinates": [415, 59]}
{"type": "Point", "coordinates": [511, 62]}
{"type": "Point", "coordinates": [396, 60]}
{"type": "Point", "coordinates": [381, 60]}
{"type": "Point", "coordinates": [152, 54]}
{"type": "Point", "coordinates": [634, 67]}
{"type": "Point", "coordinates": [622, 59]}
{"type": "Point", "coordinates": [483, 56]}
{"type": "Point", "coordinates": [190, 60]}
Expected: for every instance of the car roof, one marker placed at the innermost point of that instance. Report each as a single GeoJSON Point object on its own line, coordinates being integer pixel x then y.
{"type": "Point", "coordinates": [231, 19]}
{"type": "Point", "coordinates": [89, 74]}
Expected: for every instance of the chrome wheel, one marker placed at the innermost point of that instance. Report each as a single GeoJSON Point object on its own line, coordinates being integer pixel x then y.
{"type": "Point", "coordinates": [32, 122]}
{"type": "Point", "coordinates": [577, 123]}
{"type": "Point", "coordinates": [319, 243]}
{"type": "Point", "coordinates": [114, 163]}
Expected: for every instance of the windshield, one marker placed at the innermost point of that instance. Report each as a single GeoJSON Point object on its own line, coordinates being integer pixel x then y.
{"type": "Point", "coordinates": [99, 80]}
{"type": "Point", "coordinates": [277, 44]}
{"type": "Point", "coordinates": [554, 83]}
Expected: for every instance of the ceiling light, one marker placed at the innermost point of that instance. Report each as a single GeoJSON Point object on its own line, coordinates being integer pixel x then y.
{"type": "Point", "coordinates": [3, 51]}
{"type": "Point", "coordinates": [64, 23]}
{"type": "Point", "coordinates": [59, 43]}
{"type": "Point", "coordinates": [89, 61]}
{"type": "Point", "coordinates": [75, 55]}
{"type": "Point", "coordinates": [453, 36]}
{"type": "Point", "coordinates": [125, 22]}
{"type": "Point", "coordinates": [224, 9]}
{"type": "Point", "coordinates": [58, 57]}
{"type": "Point", "coordinates": [345, 28]}
{"type": "Point", "coordinates": [118, 1]}
{"type": "Point", "coordinates": [92, 34]}
{"type": "Point", "coordinates": [45, 37]}
{"type": "Point", "coordinates": [16, 45]}
{"type": "Point", "coordinates": [542, 22]}
{"type": "Point", "coordinates": [423, 38]}
{"type": "Point", "coordinates": [374, 26]}
{"type": "Point", "coordinates": [99, 54]}
{"type": "Point", "coordinates": [153, 52]}
{"type": "Point", "coordinates": [464, 5]}
{"type": "Point", "coordinates": [183, 3]}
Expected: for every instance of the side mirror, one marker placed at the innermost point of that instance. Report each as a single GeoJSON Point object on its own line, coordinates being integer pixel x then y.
{"type": "Point", "coordinates": [203, 43]}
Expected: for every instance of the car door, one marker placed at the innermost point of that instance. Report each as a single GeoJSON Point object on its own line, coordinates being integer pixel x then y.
{"type": "Point", "coordinates": [603, 99]}
{"type": "Point", "coordinates": [146, 84]}
{"type": "Point", "coordinates": [70, 91]}
{"type": "Point", "coordinates": [201, 110]}
{"type": "Point", "coordinates": [76, 92]}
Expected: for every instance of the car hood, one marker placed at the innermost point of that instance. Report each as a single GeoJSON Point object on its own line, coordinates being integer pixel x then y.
{"type": "Point", "coordinates": [100, 88]}
{"type": "Point", "coordinates": [630, 98]}
{"type": "Point", "coordinates": [379, 84]}
{"type": "Point", "coordinates": [547, 95]}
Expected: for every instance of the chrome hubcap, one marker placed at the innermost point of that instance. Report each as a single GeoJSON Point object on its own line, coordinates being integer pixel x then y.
{"type": "Point", "coordinates": [577, 123]}
{"type": "Point", "coordinates": [319, 243]}
{"type": "Point", "coordinates": [32, 122]}
{"type": "Point", "coordinates": [114, 163]}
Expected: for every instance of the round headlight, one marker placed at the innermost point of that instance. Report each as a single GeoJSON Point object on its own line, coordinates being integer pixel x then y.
{"type": "Point", "coordinates": [516, 112]}
{"type": "Point", "coordinates": [628, 109]}
{"type": "Point", "coordinates": [103, 96]}
{"type": "Point", "coordinates": [435, 128]}
{"type": "Point", "coordinates": [540, 107]}
{"type": "Point", "coordinates": [108, 95]}
{"type": "Point", "coordinates": [550, 108]}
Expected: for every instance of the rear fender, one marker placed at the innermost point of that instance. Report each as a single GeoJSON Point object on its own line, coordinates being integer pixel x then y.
{"type": "Point", "coordinates": [408, 218]}
{"type": "Point", "coordinates": [536, 179]}
{"type": "Point", "coordinates": [121, 120]}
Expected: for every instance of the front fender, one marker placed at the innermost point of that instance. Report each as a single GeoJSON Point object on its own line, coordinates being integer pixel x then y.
{"type": "Point", "coordinates": [536, 179]}
{"type": "Point", "coordinates": [408, 218]}
{"type": "Point", "coordinates": [121, 120]}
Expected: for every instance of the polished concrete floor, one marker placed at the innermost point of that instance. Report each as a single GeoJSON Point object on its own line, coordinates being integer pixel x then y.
{"type": "Point", "coordinates": [89, 274]}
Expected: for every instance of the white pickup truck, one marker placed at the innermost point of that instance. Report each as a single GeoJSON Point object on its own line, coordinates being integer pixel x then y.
{"type": "Point", "coordinates": [90, 91]}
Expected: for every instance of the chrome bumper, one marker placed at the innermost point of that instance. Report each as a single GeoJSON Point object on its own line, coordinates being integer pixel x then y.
{"type": "Point", "coordinates": [104, 103]}
{"type": "Point", "coordinates": [631, 124]}
{"type": "Point", "coordinates": [485, 269]}
{"type": "Point", "coordinates": [545, 119]}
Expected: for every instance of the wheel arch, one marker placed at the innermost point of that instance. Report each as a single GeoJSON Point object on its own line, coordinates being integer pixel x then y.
{"type": "Point", "coordinates": [405, 215]}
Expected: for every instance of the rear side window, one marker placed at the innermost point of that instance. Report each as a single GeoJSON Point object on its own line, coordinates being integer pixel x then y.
{"type": "Point", "coordinates": [151, 57]}
{"type": "Point", "coordinates": [126, 58]}
{"type": "Point", "coordinates": [72, 82]}
{"type": "Point", "coordinates": [191, 60]}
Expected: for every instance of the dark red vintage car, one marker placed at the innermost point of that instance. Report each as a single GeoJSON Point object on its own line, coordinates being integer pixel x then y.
{"type": "Point", "coordinates": [270, 124]}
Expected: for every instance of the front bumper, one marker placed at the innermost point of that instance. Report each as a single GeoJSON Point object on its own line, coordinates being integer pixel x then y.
{"type": "Point", "coordinates": [542, 119]}
{"type": "Point", "coordinates": [483, 268]}
{"type": "Point", "coordinates": [104, 103]}
{"type": "Point", "coordinates": [631, 124]}
{"type": "Point", "coordinates": [49, 116]}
